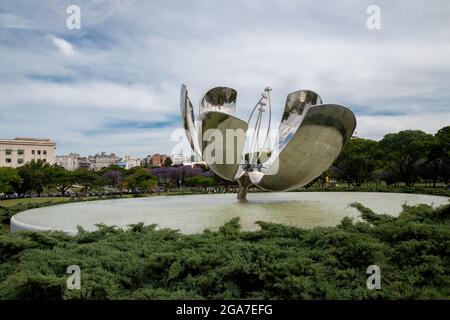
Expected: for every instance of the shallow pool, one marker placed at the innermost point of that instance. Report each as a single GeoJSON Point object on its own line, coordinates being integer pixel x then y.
{"type": "Point", "coordinates": [194, 213]}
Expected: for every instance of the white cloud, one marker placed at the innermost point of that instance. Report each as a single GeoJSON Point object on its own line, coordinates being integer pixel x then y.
{"type": "Point", "coordinates": [63, 46]}
{"type": "Point", "coordinates": [13, 21]}
{"type": "Point", "coordinates": [376, 127]}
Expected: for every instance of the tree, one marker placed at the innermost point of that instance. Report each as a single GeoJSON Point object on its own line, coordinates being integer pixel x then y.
{"type": "Point", "coordinates": [35, 177]}
{"type": "Point", "coordinates": [401, 152]}
{"type": "Point", "coordinates": [62, 179]}
{"type": "Point", "coordinates": [167, 176]}
{"type": "Point", "coordinates": [437, 165]}
{"type": "Point", "coordinates": [199, 181]}
{"type": "Point", "coordinates": [356, 163]}
{"type": "Point", "coordinates": [141, 180]}
{"type": "Point", "coordinates": [219, 181]}
{"type": "Point", "coordinates": [86, 178]}
{"type": "Point", "coordinates": [443, 138]}
{"type": "Point", "coordinates": [167, 162]}
{"type": "Point", "coordinates": [8, 179]}
{"type": "Point", "coordinates": [387, 175]}
{"type": "Point", "coordinates": [112, 177]}
{"type": "Point", "coordinates": [123, 185]}
{"type": "Point", "coordinates": [148, 185]}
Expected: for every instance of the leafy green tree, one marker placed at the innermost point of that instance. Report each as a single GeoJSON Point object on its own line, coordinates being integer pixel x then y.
{"type": "Point", "coordinates": [110, 167]}
{"type": "Point", "coordinates": [8, 179]}
{"type": "Point", "coordinates": [219, 181]}
{"type": "Point", "coordinates": [167, 162]}
{"type": "Point", "coordinates": [356, 163]}
{"type": "Point", "coordinates": [62, 179]}
{"type": "Point", "coordinates": [87, 179]}
{"type": "Point", "coordinates": [35, 177]}
{"type": "Point", "coordinates": [148, 185]}
{"type": "Point", "coordinates": [199, 181]}
{"type": "Point", "coordinates": [440, 155]}
{"type": "Point", "coordinates": [443, 137]}
{"type": "Point", "coordinates": [141, 180]}
{"type": "Point", "coordinates": [402, 151]}
{"type": "Point", "coordinates": [436, 164]}
{"type": "Point", "coordinates": [131, 171]}
{"type": "Point", "coordinates": [387, 175]}
{"type": "Point", "coordinates": [123, 185]}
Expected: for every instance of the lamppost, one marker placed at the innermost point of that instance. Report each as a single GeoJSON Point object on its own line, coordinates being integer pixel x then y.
{"type": "Point", "coordinates": [180, 176]}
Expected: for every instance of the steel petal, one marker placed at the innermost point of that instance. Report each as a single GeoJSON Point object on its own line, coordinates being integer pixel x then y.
{"type": "Point", "coordinates": [310, 150]}
{"type": "Point", "coordinates": [219, 130]}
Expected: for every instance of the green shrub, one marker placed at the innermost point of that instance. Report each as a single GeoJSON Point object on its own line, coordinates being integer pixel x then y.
{"type": "Point", "coordinates": [276, 262]}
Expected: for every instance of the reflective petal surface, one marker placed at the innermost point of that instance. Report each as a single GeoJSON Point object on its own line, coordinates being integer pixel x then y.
{"type": "Point", "coordinates": [311, 150]}
{"type": "Point", "coordinates": [223, 142]}
{"type": "Point", "coordinates": [296, 106]}
{"type": "Point", "coordinates": [187, 114]}
{"type": "Point", "coordinates": [219, 99]}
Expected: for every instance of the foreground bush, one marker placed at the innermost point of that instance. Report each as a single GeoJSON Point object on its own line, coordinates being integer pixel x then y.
{"type": "Point", "coordinates": [278, 262]}
{"type": "Point", "coordinates": [380, 188]}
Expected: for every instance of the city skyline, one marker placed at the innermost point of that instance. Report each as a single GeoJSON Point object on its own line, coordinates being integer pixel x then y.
{"type": "Point", "coordinates": [20, 151]}
{"type": "Point", "coordinates": [114, 84]}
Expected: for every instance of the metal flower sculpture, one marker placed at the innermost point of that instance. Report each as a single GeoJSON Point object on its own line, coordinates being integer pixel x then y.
{"type": "Point", "coordinates": [309, 138]}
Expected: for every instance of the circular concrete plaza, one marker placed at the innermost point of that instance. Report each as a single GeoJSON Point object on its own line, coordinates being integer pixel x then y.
{"type": "Point", "coordinates": [195, 213]}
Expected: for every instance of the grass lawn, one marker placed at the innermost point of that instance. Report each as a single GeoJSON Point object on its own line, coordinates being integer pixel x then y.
{"type": "Point", "coordinates": [13, 202]}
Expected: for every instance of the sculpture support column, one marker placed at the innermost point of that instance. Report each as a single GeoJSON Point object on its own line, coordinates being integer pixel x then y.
{"type": "Point", "coordinates": [244, 182]}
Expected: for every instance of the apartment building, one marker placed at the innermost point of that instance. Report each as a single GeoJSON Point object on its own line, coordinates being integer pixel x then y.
{"type": "Point", "coordinates": [69, 162]}
{"type": "Point", "coordinates": [128, 162]}
{"type": "Point", "coordinates": [16, 152]}
{"type": "Point", "coordinates": [157, 159]}
{"type": "Point", "coordinates": [102, 160]}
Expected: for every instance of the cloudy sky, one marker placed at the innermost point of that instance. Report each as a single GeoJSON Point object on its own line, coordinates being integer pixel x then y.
{"type": "Point", "coordinates": [114, 84]}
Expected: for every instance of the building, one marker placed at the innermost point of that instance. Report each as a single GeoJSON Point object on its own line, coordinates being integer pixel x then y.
{"type": "Point", "coordinates": [69, 162]}
{"type": "Point", "coordinates": [145, 161]}
{"type": "Point", "coordinates": [157, 159]}
{"type": "Point", "coordinates": [83, 162]}
{"type": "Point", "coordinates": [178, 159]}
{"type": "Point", "coordinates": [128, 162]}
{"type": "Point", "coordinates": [102, 160]}
{"type": "Point", "coordinates": [16, 152]}
{"type": "Point", "coordinates": [194, 158]}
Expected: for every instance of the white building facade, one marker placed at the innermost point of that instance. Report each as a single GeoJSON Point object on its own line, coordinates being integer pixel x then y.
{"type": "Point", "coordinates": [102, 160]}
{"type": "Point", "coordinates": [68, 162]}
{"type": "Point", "coordinates": [128, 162]}
{"type": "Point", "coordinates": [16, 152]}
